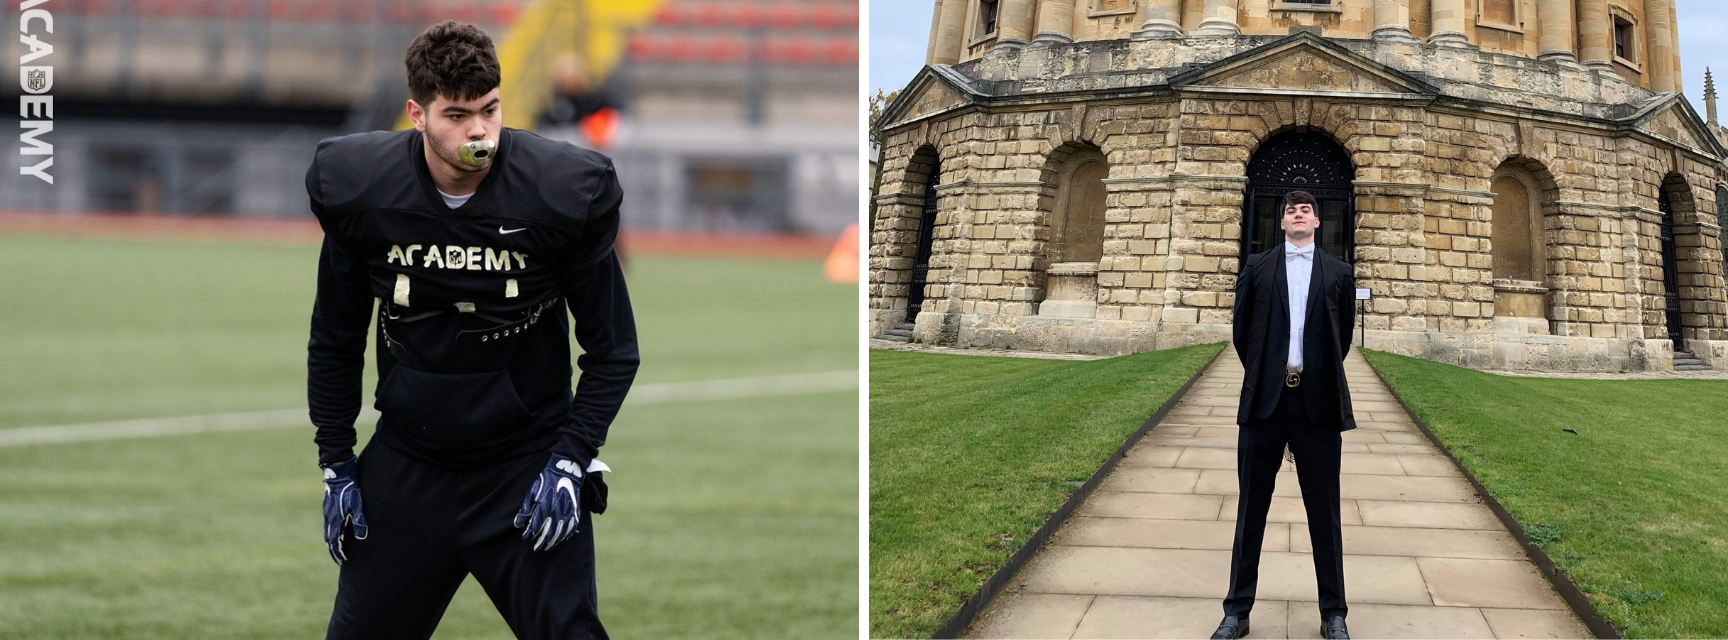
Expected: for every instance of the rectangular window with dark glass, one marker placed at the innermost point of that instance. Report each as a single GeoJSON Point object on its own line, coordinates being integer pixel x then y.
{"type": "Point", "coordinates": [986, 17]}
{"type": "Point", "coordinates": [1623, 39]}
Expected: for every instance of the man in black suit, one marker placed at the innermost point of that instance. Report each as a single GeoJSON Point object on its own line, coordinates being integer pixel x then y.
{"type": "Point", "coordinates": [1292, 329]}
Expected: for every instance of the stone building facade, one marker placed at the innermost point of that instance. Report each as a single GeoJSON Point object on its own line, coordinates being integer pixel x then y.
{"type": "Point", "coordinates": [1518, 183]}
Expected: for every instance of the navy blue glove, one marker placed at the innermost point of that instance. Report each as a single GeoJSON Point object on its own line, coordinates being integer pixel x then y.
{"type": "Point", "coordinates": [550, 510]}
{"type": "Point", "coordinates": [342, 508]}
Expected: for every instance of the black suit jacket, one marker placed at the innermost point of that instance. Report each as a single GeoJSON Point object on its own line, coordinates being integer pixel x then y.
{"type": "Point", "coordinates": [1261, 333]}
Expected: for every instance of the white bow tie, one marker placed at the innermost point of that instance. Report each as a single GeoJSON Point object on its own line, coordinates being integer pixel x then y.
{"type": "Point", "coordinates": [1304, 252]}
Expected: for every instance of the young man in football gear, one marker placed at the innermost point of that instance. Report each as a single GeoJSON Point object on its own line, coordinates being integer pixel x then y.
{"type": "Point", "coordinates": [480, 243]}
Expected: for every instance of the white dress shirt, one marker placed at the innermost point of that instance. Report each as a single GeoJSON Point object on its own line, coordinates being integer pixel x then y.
{"type": "Point", "coordinates": [1298, 267]}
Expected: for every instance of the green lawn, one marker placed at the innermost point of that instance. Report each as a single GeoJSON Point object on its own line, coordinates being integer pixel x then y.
{"type": "Point", "coordinates": [970, 455]}
{"type": "Point", "coordinates": [727, 519]}
{"type": "Point", "coordinates": [1634, 506]}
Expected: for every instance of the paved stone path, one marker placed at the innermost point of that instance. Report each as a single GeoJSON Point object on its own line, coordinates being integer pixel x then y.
{"type": "Point", "coordinates": [1147, 555]}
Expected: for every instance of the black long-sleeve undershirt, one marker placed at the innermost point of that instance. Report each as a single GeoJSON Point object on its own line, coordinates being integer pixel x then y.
{"type": "Point", "coordinates": [336, 354]}
{"type": "Point", "coordinates": [606, 331]}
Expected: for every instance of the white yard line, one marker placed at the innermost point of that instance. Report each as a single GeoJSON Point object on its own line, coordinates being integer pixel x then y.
{"type": "Point", "coordinates": [154, 427]}
{"type": "Point", "coordinates": [787, 385]}
{"type": "Point", "coordinates": [665, 392]}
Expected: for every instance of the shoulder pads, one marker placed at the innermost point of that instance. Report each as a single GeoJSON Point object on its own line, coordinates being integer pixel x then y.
{"type": "Point", "coordinates": [364, 171]}
{"type": "Point", "coordinates": [573, 185]}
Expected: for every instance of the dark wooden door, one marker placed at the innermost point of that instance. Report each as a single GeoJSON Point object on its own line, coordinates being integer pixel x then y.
{"type": "Point", "coordinates": [926, 238]}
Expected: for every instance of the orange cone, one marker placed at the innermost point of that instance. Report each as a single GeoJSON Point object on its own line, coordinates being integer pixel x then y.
{"type": "Point", "coordinates": [842, 263]}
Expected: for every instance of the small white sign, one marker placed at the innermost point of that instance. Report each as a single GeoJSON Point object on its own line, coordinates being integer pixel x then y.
{"type": "Point", "coordinates": [1364, 294]}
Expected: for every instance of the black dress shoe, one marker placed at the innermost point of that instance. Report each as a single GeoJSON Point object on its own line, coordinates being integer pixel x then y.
{"type": "Point", "coordinates": [1231, 628]}
{"type": "Point", "coordinates": [1335, 629]}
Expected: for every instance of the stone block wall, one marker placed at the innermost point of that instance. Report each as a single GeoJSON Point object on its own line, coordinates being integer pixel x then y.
{"type": "Point", "coordinates": [1422, 228]}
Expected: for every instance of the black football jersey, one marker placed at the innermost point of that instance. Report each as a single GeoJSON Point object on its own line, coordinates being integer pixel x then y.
{"type": "Point", "coordinates": [473, 303]}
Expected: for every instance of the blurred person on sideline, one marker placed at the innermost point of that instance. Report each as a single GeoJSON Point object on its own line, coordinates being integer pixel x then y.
{"type": "Point", "coordinates": [479, 242]}
{"type": "Point", "coordinates": [580, 113]}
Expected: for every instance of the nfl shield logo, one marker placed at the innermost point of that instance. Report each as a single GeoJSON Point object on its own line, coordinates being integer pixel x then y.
{"type": "Point", "coordinates": [36, 80]}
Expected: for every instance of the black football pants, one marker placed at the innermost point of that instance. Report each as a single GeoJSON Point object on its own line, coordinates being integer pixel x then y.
{"type": "Point", "coordinates": [431, 527]}
{"type": "Point", "coordinates": [1259, 453]}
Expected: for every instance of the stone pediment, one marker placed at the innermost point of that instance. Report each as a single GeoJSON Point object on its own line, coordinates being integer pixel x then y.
{"type": "Point", "coordinates": [1303, 63]}
{"type": "Point", "coordinates": [1672, 118]}
{"type": "Point", "coordinates": [933, 90]}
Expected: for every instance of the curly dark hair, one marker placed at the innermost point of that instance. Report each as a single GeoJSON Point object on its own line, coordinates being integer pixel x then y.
{"type": "Point", "coordinates": [1292, 198]}
{"type": "Point", "coordinates": [451, 59]}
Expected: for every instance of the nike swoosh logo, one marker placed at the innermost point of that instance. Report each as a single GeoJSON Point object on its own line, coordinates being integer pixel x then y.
{"type": "Point", "coordinates": [568, 487]}
{"type": "Point", "coordinates": [501, 230]}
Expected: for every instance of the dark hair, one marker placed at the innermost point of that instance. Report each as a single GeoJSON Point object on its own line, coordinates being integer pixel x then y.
{"type": "Point", "coordinates": [1296, 198]}
{"type": "Point", "coordinates": [452, 59]}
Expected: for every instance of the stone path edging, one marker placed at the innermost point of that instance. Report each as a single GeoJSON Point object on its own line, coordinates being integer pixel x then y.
{"type": "Point", "coordinates": [1569, 591]}
{"type": "Point", "coordinates": [992, 586]}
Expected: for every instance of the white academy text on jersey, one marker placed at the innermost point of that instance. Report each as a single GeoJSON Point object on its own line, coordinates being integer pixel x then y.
{"type": "Point", "coordinates": [454, 257]}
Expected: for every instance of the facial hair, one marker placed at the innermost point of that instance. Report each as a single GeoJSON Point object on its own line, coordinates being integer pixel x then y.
{"type": "Point", "coordinates": [447, 153]}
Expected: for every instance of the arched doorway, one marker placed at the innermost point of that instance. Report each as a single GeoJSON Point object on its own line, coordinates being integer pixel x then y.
{"type": "Point", "coordinates": [1299, 161]}
{"type": "Point", "coordinates": [1670, 268]}
{"type": "Point", "coordinates": [926, 238]}
{"type": "Point", "coordinates": [1722, 221]}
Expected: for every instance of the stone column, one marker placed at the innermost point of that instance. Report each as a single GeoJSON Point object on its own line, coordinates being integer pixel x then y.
{"type": "Point", "coordinates": [1557, 26]}
{"type": "Point", "coordinates": [950, 32]}
{"type": "Point", "coordinates": [1448, 20]}
{"type": "Point", "coordinates": [1163, 19]}
{"type": "Point", "coordinates": [1014, 22]}
{"type": "Point", "coordinates": [1220, 19]}
{"type": "Point", "coordinates": [1055, 21]}
{"type": "Point", "coordinates": [1674, 19]}
{"type": "Point", "coordinates": [935, 26]}
{"type": "Point", "coordinates": [1659, 36]}
{"type": "Point", "coordinates": [1595, 34]}
{"type": "Point", "coordinates": [1392, 20]}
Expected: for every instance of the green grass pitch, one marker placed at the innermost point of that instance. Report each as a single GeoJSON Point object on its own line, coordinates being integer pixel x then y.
{"type": "Point", "coordinates": [727, 519]}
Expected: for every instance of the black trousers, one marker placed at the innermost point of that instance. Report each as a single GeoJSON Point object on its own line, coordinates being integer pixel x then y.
{"type": "Point", "coordinates": [1259, 453]}
{"type": "Point", "coordinates": [431, 527]}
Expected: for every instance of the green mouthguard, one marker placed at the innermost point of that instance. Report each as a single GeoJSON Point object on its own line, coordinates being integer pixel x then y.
{"type": "Point", "coordinates": [477, 153]}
